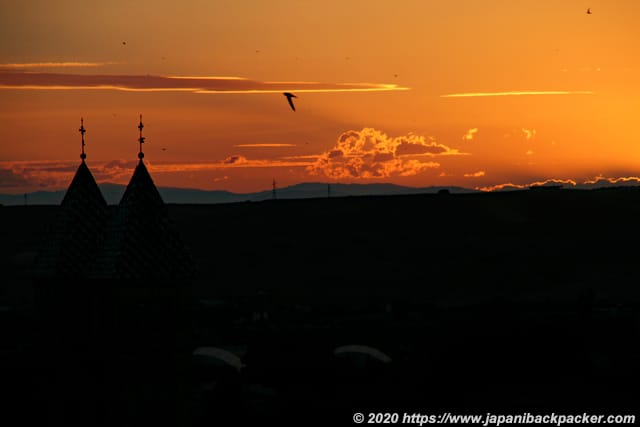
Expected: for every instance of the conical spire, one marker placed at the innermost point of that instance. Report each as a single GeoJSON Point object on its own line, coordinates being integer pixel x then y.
{"type": "Point", "coordinates": [79, 228]}
{"type": "Point", "coordinates": [142, 242]}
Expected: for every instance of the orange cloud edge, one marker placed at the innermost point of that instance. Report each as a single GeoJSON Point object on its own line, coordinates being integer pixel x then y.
{"type": "Point", "coordinates": [26, 80]}
{"type": "Point", "coordinates": [56, 174]}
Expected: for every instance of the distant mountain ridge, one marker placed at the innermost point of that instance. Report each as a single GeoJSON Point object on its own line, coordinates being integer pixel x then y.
{"type": "Point", "coordinates": [113, 193]}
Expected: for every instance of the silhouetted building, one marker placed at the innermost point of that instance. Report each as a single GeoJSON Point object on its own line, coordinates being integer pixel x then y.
{"type": "Point", "coordinates": [74, 238]}
{"type": "Point", "coordinates": [67, 253]}
{"type": "Point", "coordinates": [113, 288]}
{"type": "Point", "coordinates": [141, 242]}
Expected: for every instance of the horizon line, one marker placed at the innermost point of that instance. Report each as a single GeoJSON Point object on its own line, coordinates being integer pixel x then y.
{"type": "Point", "coordinates": [551, 183]}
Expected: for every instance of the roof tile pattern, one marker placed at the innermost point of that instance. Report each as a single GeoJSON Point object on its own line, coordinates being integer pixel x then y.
{"type": "Point", "coordinates": [142, 242]}
{"type": "Point", "coordinates": [78, 231]}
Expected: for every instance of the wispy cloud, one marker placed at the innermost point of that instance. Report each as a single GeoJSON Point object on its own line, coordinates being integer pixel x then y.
{"type": "Point", "coordinates": [25, 176]}
{"type": "Point", "coordinates": [264, 145]}
{"type": "Point", "coordinates": [32, 65]}
{"type": "Point", "coordinates": [513, 186]}
{"type": "Point", "coordinates": [517, 93]}
{"type": "Point", "coordinates": [618, 180]}
{"type": "Point", "coordinates": [10, 178]}
{"type": "Point", "coordinates": [150, 83]}
{"type": "Point", "coordinates": [244, 162]}
{"type": "Point", "coordinates": [469, 135]}
{"type": "Point", "coordinates": [596, 182]}
{"type": "Point", "coordinates": [57, 174]}
{"type": "Point", "coordinates": [370, 153]}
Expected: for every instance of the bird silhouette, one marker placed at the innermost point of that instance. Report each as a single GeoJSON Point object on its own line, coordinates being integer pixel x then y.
{"type": "Point", "coordinates": [290, 97]}
{"type": "Point", "coordinates": [589, 11]}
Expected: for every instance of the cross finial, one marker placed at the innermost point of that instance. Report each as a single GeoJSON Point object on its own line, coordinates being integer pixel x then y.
{"type": "Point", "coordinates": [141, 138]}
{"type": "Point", "coordinates": [82, 131]}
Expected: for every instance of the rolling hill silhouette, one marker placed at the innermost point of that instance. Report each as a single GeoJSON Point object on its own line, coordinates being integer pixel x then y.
{"type": "Point", "coordinates": [175, 195]}
{"type": "Point", "coordinates": [113, 193]}
{"type": "Point", "coordinates": [505, 302]}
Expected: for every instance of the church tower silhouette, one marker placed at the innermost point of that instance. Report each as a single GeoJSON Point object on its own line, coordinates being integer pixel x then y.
{"type": "Point", "coordinates": [79, 228]}
{"type": "Point", "coordinates": [113, 287]}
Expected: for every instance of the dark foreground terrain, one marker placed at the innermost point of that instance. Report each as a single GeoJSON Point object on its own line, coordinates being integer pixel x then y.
{"type": "Point", "coordinates": [507, 303]}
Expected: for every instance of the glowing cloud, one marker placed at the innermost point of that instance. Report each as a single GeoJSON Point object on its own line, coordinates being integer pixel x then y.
{"type": "Point", "coordinates": [596, 182]}
{"type": "Point", "coordinates": [20, 176]}
{"type": "Point", "coordinates": [149, 83]}
{"type": "Point", "coordinates": [370, 153]}
{"type": "Point", "coordinates": [512, 186]}
{"type": "Point", "coordinates": [474, 174]}
{"type": "Point", "coordinates": [469, 135]}
{"type": "Point", "coordinates": [619, 180]}
{"type": "Point", "coordinates": [517, 93]}
{"type": "Point", "coordinates": [529, 133]}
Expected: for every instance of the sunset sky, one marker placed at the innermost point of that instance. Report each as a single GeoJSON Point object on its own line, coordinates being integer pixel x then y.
{"type": "Point", "coordinates": [472, 93]}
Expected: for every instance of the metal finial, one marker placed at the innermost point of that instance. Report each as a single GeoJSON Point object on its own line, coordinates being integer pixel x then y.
{"type": "Point", "coordinates": [82, 131]}
{"type": "Point", "coordinates": [141, 138]}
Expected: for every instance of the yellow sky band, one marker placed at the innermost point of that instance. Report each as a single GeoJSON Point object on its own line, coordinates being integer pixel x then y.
{"type": "Point", "coordinates": [517, 93]}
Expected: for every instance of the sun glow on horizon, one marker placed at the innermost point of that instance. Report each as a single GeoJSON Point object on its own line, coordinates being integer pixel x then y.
{"type": "Point", "coordinates": [405, 93]}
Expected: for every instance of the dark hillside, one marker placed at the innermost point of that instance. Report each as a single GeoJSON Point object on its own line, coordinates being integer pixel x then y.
{"type": "Point", "coordinates": [516, 244]}
{"type": "Point", "coordinates": [491, 302]}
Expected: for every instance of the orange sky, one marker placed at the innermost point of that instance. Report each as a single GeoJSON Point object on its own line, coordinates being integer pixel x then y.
{"type": "Point", "coordinates": [462, 92]}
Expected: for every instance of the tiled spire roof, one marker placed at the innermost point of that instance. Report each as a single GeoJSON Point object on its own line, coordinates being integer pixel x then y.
{"type": "Point", "coordinates": [142, 242]}
{"type": "Point", "coordinates": [138, 241]}
{"type": "Point", "coordinates": [78, 231]}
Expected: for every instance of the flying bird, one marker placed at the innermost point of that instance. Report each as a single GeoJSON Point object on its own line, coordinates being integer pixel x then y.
{"type": "Point", "coordinates": [290, 97]}
{"type": "Point", "coordinates": [588, 11]}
